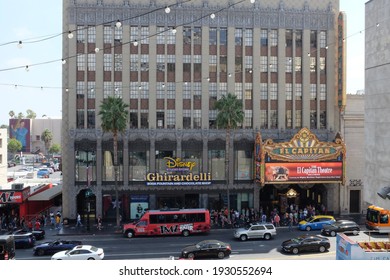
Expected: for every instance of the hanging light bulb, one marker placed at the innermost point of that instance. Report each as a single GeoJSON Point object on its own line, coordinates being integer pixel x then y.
{"type": "Point", "coordinates": [70, 35]}
{"type": "Point", "coordinates": [97, 50]}
{"type": "Point", "coordinates": [139, 87]}
{"type": "Point", "coordinates": [135, 43]}
{"type": "Point", "coordinates": [174, 30]}
{"type": "Point", "coordinates": [20, 44]}
{"type": "Point", "coordinates": [66, 90]}
{"type": "Point", "coordinates": [167, 9]}
{"type": "Point", "coordinates": [212, 16]}
{"type": "Point", "coordinates": [63, 61]}
{"type": "Point", "coordinates": [230, 74]}
{"type": "Point", "coordinates": [208, 79]}
{"type": "Point", "coordinates": [27, 69]}
{"type": "Point", "coordinates": [118, 24]}
{"type": "Point", "coordinates": [163, 85]}
{"type": "Point", "coordinates": [252, 1]}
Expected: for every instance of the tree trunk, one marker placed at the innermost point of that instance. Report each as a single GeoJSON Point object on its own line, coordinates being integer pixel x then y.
{"type": "Point", "coordinates": [115, 136]}
{"type": "Point", "coordinates": [227, 175]}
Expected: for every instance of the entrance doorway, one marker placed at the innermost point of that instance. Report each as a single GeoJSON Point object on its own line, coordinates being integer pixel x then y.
{"type": "Point", "coordinates": [354, 201]}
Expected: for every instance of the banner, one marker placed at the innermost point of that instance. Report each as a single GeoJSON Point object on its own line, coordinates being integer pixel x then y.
{"type": "Point", "coordinates": [303, 172]}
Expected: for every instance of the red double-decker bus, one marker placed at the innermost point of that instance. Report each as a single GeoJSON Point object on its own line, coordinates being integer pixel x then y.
{"type": "Point", "coordinates": [169, 222]}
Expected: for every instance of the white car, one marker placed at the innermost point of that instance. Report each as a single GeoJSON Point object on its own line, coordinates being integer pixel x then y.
{"type": "Point", "coordinates": [80, 252]}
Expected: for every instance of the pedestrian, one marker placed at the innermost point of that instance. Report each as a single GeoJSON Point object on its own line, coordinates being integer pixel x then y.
{"type": "Point", "coordinates": [37, 224]}
{"type": "Point", "coordinates": [99, 223]}
{"type": "Point", "coordinates": [30, 225]}
{"type": "Point", "coordinates": [78, 223]}
{"type": "Point", "coordinates": [290, 222]}
{"type": "Point", "coordinates": [58, 221]}
{"type": "Point", "coordinates": [277, 220]}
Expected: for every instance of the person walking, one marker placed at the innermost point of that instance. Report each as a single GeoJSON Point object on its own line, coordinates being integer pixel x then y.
{"type": "Point", "coordinates": [99, 223]}
{"type": "Point", "coordinates": [78, 223]}
{"type": "Point", "coordinates": [277, 220]}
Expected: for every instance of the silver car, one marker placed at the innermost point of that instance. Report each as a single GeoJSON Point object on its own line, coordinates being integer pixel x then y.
{"type": "Point", "coordinates": [259, 230]}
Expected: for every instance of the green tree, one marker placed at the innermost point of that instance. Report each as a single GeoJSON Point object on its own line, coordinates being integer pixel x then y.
{"type": "Point", "coordinates": [229, 116]}
{"type": "Point", "coordinates": [31, 114]}
{"type": "Point", "coordinates": [11, 114]}
{"type": "Point", "coordinates": [14, 146]}
{"type": "Point", "coordinates": [55, 149]}
{"type": "Point", "coordinates": [47, 137]}
{"type": "Point", "coordinates": [4, 126]}
{"type": "Point", "coordinates": [20, 116]}
{"type": "Point", "coordinates": [114, 114]}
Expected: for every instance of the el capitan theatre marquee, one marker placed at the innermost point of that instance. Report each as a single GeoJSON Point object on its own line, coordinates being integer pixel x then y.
{"type": "Point", "coordinates": [304, 159]}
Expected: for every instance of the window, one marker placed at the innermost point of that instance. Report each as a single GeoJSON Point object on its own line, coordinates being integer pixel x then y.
{"type": "Point", "coordinates": [118, 59]}
{"type": "Point", "coordinates": [144, 119]}
{"type": "Point", "coordinates": [273, 36]}
{"type": "Point", "coordinates": [160, 119]}
{"type": "Point", "coordinates": [298, 119]}
{"type": "Point", "coordinates": [238, 90]}
{"type": "Point", "coordinates": [288, 91]}
{"type": "Point", "coordinates": [118, 35]}
{"type": "Point", "coordinates": [273, 90]}
{"type": "Point", "coordinates": [107, 62]}
{"type": "Point", "coordinates": [91, 93]}
{"type": "Point", "coordinates": [212, 63]}
{"type": "Point", "coordinates": [186, 119]}
{"type": "Point", "coordinates": [274, 118]}
{"type": "Point", "coordinates": [264, 37]}
{"type": "Point", "coordinates": [298, 38]}
{"type": "Point", "coordinates": [107, 34]}
{"type": "Point", "coordinates": [170, 37]}
{"type": "Point", "coordinates": [248, 91]}
{"type": "Point", "coordinates": [107, 89]}
{"type": "Point", "coordinates": [212, 118]}
{"type": "Point", "coordinates": [274, 64]}
{"type": "Point", "coordinates": [145, 35]}
{"type": "Point", "coordinates": [322, 119]}
{"type": "Point", "coordinates": [288, 119]}
{"type": "Point", "coordinates": [223, 63]}
{"type": "Point", "coordinates": [313, 92]}
{"type": "Point", "coordinates": [263, 63]}
{"type": "Point", "coordinates": [80, 34]}
{"type": "Point", "coordinates": [223, 36]}
{"type": "Point", "coordinates": [313, 64]}
{"type": "Point", "coordinates": [133, 119]}
{"type": "Point", "coordinates": [80, 118]}
{"type": "Point", "coordinates": [248, 64]}
{"type": "Point", "coordinates": [197, 36]}
{"type": "Point", "coordinates": [91, 32]}
{"type": "Point", "coordinates": [186, 91]}
{"type": "Point", "coordinates": [81, 62]}
{"type": "Point", "coordinates": [264, 91]}
{"type": "Point", "coordinates": [171, 90]}
{"type": "Point", "coordinates": [322, 91]}
{"type": "Point", "coordinates": [298, 64]}
{"type": "Point", "coordinates": [91, 118]}
{"type": "Point", "coordinates": [238, 37]}
{"type": "Point", "coordinates": [248, 37]}
{"type": "Point", "coordinates": [322, 65]}
{"type": "Point", "coordinates": [212, 36]}
{"type": "Point", "coordinates": [248, 118]}
{"type": "Point", "coordinates": [118, 89]}
{"type": "Point", "coordinates": [187, 35]}
{"type": "Point", "coordinates": [263, 119]}
{"type": "Point", "coordinates": [134, 94]}
{"type": "Point", "coordinates": [288, 64]}
{"type": "Point", "coordinates": [313, 39]}
{"type": "Point", "coordinates": [80, 89]}
{"type": "Point", "coordinates": [144, 60]}
{"type": "Point", "coordinates": [197, 119]}
{"type": "Point", "coordinates": [289, 38]}
{"type": "Point", "coordinates": [323, 43]}
{"type": "Point", "coordinates": [134, 62]}
{"type": "Point", "coordinates": [91, 62]}
{"type": "Point", "coordinates": [171, 118]}
{"type": "Point", "coordinates": [160, 35]}
{"type": "Point", "coordinates": [298, 91]}
{"type": "Point", "coordinates": [313, 119]}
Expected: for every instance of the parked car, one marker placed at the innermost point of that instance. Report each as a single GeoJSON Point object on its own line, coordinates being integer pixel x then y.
{"type": "Point", "coordinates": [50, 248]}
{"type": "Point", "coordinates": [43, 173]}
{"type": "Point", "coordinates": [316, 222]}
{"type": "Point", "coordinates": [38, 234]}
{"type": "Point", "coordinates": [308, 243]}
{"type": "Point", "coordinates": [256, 230]}
{"type": "Point", "coordinates": [348, 227]}
{"type": "Point", "coordinates": [80, 252]}
{"type": "Point", "coordinates": [24, 240]}
{"type": "Point", "coordinates": [11, 163]}
{"type": "Point", "coordinates": [207, 248]}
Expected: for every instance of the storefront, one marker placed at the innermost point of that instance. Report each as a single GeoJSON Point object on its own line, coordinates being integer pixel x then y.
{"type": "Point", "coordinates": [301, 173]}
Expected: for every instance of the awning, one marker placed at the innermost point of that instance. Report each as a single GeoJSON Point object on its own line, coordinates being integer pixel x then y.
{"type": "Point", "coordinates": [47, 194]}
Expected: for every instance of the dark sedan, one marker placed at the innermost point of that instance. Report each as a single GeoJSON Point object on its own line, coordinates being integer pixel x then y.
{"type": "Point", "coordinates": [206, 249]}
{"type": "Point", "coordinates": [345, 226]}
{"type": "Point", "coordinates": [39, 234]}
{"type": "Point", "coordinates": [306, 243]}
{"type": "Point", "coordinates": [50, 248]}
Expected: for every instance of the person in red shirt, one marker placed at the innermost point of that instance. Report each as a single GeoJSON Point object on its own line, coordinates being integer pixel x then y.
{"type": "Point", "coordinates": [30, 225]}
{"type": "Point", "coordinates": [37, 225]}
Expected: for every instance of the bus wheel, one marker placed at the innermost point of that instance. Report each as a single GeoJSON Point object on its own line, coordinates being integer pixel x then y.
{"type": "Point", "coordinates": [185, 233]}
{"type": "Point", "coordinates": [129, 234]}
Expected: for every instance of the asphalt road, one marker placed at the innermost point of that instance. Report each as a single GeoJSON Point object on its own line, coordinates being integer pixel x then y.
{"type": "Point", "coordinates": [117, 247]}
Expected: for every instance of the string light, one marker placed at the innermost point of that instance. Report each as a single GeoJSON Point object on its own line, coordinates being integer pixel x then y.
{"type": "Point", "coordinates": [135, 43]}
{"type": "Point", "coordinates": [27, 69]}
{"type": "Point", "coordinates": [97, 50]}
{"type": "Point", "coordinates": [167, 9]}
{"type": "Point", "coordinates": [174, 30]}
{"type": "Point", "coordinates": [63, 61]}
{"type": "Point", "coordinates": [118, 24]}
{"type": "Point", "coordinates": [253, 1]}
{"type": "Point", "coordinates": [20, 44]}
{"type": "Point", "coordinates": [212, 16]}
{"type": "Point", "coordinates": [70, 35]}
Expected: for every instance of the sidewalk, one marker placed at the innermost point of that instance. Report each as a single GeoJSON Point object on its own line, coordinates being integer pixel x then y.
{"type": "Point", "coordinates": [66, 230]}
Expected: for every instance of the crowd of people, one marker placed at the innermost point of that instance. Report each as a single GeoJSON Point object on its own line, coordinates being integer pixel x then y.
{"type": "Point", "coordinates": [13, 222]}
{"type": "Point", "coordinates": [290, 217]}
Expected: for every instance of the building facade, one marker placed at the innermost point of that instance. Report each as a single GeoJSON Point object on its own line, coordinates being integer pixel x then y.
{"type": "Point", "coordinates": [170, 61]}
{"type": "Point", "coordinates": [3, 156]}
{"type": "Point", "coordinates": [377, 103]}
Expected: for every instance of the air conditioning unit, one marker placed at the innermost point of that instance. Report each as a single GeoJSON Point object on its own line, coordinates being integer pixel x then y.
{"type": "Point", "coordinates": [18, 186]}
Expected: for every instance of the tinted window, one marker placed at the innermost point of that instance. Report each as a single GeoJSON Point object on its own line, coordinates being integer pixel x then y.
{"type": "Point", "coordinates": [269, 226]}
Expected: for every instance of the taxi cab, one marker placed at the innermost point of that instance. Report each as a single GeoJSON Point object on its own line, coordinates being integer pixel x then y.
{"type": "Point", "coordinates": [316, 222]}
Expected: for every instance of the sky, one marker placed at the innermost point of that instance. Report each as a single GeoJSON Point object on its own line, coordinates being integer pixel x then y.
{"type": "Point", "coordinates": [39, 88]}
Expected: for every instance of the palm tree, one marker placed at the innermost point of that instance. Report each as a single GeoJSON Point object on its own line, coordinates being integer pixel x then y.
{"type": "Point", "coordinates": [113, 112]}
{"type": "Point", "coordinates": [229, 116]}
{"type": "Point", "coordinates": [47, 137]}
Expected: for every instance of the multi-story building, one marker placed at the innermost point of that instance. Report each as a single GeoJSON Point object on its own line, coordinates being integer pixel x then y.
{"type": "Point", "coordinates": [3, 156]}
{"type": "Point", "coordinates": [377, 104]}
{"type": "Point", "coordinates": [170, 61]}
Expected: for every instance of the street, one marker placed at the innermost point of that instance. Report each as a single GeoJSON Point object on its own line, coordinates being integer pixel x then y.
{"type": "Point", "coordinates": [117, 247]}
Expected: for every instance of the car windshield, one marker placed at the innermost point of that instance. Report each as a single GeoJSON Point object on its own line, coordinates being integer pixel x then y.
{"type": "Point", "coordinates": [337, 224]}
{"type": "Point", "coordinates": [297, 239]}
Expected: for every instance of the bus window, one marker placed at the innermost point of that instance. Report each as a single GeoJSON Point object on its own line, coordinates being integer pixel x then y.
{"type": "Point", "coordinates": [384, 219]}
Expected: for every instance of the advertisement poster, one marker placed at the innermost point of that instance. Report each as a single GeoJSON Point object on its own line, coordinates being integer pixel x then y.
{"type": "Point", "coordinates": [19, 129]}
{"type": "Point", "coordinates": [303, 171]}
{"type": "Point", "coordinates": [138, 205]}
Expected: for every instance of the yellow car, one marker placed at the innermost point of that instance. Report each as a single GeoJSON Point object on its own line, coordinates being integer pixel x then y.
{"type": "Point", "coordinates": [316, 222]}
